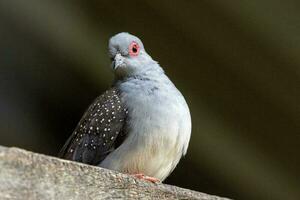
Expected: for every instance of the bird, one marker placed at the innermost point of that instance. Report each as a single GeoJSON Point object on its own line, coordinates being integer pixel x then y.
{"type": "Point", "coordinates": [141, 125]}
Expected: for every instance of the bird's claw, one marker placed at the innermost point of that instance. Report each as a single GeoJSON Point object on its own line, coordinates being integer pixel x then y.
{"type": "Point", "coordinates": [147, 178]}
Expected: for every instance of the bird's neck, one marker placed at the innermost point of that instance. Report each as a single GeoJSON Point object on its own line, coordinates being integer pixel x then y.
{"type": "Point", "coordinates": [151, 73]}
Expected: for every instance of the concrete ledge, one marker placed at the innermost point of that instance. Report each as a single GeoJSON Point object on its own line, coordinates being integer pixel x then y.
{"type": "Point", "coordinates": [27, 175]}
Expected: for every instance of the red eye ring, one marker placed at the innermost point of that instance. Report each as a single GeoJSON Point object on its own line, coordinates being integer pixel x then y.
{"type": "Point", "coordinates": [134, 49]}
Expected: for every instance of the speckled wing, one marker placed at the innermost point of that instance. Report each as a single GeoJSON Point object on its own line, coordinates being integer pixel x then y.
{"type": "Point", "coordinates": [99, 132]}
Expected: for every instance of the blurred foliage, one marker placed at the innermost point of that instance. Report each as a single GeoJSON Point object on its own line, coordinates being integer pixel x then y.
{"type": "Point", "coordinates": [236, 62]}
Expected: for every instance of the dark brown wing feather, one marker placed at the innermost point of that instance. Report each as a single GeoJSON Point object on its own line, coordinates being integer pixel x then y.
{"type": "Point", "coordinates": [99, 131]}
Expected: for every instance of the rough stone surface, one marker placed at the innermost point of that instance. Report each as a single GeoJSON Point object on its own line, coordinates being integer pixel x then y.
{"type": "Point", "coordinates": [27, 175]}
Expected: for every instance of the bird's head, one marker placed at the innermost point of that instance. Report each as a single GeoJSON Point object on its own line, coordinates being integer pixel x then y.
{"type": "Point", "coordinates": [128, 56]}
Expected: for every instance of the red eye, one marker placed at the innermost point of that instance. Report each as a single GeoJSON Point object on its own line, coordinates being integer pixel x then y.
{"type": "Point", "coordinates": [134, 49]}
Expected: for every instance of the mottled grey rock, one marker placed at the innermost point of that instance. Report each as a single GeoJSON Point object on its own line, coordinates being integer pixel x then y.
{"type": "Point", "coordinates": [27, 175]}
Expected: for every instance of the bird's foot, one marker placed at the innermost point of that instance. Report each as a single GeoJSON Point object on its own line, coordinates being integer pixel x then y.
{"type": "Point", "coordinates": [147, 178]}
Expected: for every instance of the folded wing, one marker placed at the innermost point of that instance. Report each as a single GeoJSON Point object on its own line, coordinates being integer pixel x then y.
{"type": "Point", "coordinates": [99, 132]}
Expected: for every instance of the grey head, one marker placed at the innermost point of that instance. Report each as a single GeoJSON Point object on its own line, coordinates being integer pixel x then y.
{"type": "Point", "coordinates": [128, 56]}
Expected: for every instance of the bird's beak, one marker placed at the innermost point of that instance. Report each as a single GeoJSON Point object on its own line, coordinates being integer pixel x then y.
{"type": "Point", "coordinates": [118, 61]}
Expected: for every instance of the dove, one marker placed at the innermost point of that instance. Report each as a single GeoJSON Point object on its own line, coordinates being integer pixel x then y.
{"type": "Point", "coordinates": [141, 125]}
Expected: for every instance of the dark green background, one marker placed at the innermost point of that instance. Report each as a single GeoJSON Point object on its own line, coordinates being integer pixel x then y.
{"type": "Point", "coordinates": [236, 62]}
